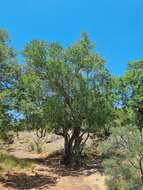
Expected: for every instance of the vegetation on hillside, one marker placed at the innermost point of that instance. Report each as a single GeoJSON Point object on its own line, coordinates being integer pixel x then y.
{"type": "Point", "coordinates": [70, 92]}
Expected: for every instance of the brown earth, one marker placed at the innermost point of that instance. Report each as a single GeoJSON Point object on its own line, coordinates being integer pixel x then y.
{"type": "Point", "coordinates": [47, 171]}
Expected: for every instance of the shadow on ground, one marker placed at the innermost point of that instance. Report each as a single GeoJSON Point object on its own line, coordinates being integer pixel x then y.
{"type": "Point", "coordinates": [53, 162]}
{"type": "Point", "coordinates": [48, 170]}
{"type": "Point", "coordinates": [24, 181]}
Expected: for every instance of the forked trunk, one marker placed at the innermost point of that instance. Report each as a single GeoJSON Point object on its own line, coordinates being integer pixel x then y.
{"type": "Point", "coordinates": [73, 146]}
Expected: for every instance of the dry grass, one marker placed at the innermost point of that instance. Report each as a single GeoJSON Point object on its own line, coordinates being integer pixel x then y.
{"type": "Point", "coordinates": [11, 163]}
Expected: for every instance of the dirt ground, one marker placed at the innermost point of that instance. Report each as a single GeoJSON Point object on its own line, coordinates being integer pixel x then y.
{"type": "Point", "coordinates": [47, 171]}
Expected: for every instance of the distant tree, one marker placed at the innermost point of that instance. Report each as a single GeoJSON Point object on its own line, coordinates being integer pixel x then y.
{"type": "Point", "coordinates": [135, 80]}
{"type": "Point", "coordinates": [131, 90]}
{"type": "Point", "coordinates": [124, 148]}
{"type": "Point", "coordinates": [8, 77]}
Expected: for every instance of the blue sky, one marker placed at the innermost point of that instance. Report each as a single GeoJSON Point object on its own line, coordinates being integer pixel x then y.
{"type": "Point", "coordinates": [116, 26]}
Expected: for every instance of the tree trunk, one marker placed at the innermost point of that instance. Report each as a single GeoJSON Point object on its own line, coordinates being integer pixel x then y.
{"type": "Point", "coordinates": [73, 146]}
{"type": "Point", "coordinates": [67, 151]}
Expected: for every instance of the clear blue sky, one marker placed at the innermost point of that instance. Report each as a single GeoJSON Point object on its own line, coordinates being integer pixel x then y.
{"type": "Point", "coordinates": [116, 26]}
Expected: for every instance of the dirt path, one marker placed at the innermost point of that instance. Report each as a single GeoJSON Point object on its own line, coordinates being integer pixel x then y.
{"type": "Point", "coordinates": [48, 173]}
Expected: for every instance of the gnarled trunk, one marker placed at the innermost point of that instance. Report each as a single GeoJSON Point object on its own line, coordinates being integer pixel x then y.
{"type": "Point", "coordinates": [73, 147]}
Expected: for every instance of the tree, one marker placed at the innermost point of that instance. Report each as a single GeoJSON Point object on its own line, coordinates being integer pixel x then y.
{"type": "Point", "coordinates": [135, 79]}
{"type": "Point", "coordinates": [132, 92]}
{"type": "Point", "coordinates": [78, 98]}
{"type": "Point", "coordinates": [8, 77]}
{"type": "Point", "coordinates": [123, 150]}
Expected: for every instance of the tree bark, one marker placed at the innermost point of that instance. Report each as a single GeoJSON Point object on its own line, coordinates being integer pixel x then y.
{"type": "Point", "coordinates": [67, 151]}
{"type": "Point", "coordinates": [73, 147]}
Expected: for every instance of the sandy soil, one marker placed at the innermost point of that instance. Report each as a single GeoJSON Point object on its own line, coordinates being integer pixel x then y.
{"type": "Point", "coordinates": [47, 172]}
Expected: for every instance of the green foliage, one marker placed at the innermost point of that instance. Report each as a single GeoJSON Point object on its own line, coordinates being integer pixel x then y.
{"type": "Point", "coordinates": [8, 77]}
{"type": "Point", "coordinates": [30, 98]}
{"type": "Point", "coordinates": [132, 91]}
{"type": "Point", "coordinates": [68, 91]}
{"type": "Point", "coordinates": [123, 152]}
